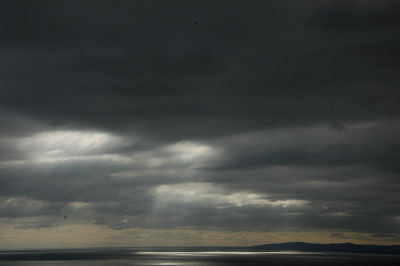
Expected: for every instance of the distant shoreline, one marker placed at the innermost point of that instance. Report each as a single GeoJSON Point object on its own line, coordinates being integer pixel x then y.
{"type": "Point", "coordinates": [336, 247]}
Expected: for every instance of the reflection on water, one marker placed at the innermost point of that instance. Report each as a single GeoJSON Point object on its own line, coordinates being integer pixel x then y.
{"type": "Point", "coordinates": [214, 253]}
{"type": "Point", "coordinates": [130, 257]}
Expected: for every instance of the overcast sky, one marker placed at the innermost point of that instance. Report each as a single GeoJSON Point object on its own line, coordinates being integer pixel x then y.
{"type": "Point", "coordinates": [229, 122]}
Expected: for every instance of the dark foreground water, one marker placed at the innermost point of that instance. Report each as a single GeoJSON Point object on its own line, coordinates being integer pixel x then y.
{"type": "Point", "coordinates": [120, 257]}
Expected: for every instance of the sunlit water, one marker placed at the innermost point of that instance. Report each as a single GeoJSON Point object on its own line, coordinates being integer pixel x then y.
{"type": "Point", "coordinates": [120, 257]}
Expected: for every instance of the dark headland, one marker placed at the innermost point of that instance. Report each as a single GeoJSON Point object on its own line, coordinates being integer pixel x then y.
{"type": "Point", "coordinates": [338, 247]}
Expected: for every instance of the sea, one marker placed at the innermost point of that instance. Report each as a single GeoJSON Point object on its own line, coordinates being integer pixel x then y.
{"type": "Point", "coordinates": [187, 256]}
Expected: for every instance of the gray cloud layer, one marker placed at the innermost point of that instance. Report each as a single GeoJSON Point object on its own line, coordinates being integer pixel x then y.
{"type": "Point", "coordinates": [230, 114]}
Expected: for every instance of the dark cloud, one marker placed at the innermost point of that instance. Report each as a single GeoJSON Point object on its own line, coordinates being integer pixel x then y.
{"type": "Point", "coordinates": [349, 17]}
{"type": "Point", "coordinates": [158, 72]}
{"type": "Point", "coordinates": [230, 115]}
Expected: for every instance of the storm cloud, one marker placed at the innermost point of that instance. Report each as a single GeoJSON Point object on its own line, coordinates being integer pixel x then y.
{"type": "Point", "coordinates": [205, 115]}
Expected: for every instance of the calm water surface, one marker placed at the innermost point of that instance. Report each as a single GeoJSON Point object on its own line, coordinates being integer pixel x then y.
{"type": "Point", "coordinates": [120, 257]}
